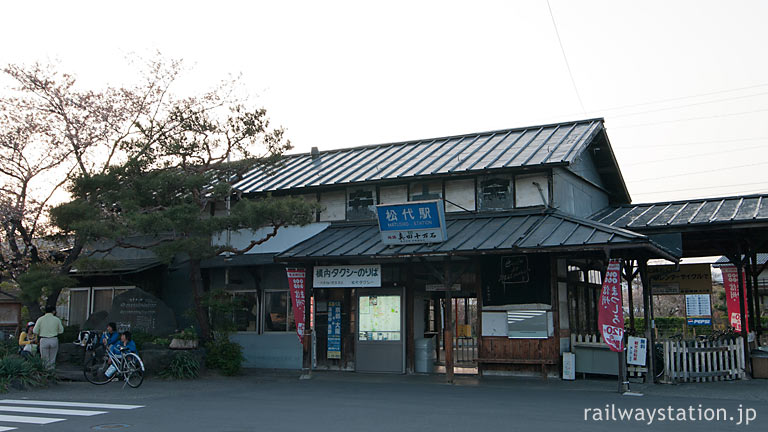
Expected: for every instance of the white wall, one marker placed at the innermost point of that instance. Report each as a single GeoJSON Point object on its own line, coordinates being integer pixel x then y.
{"type": "Point", "coordinates": [334, 205]}
{"type": "Point", "coordinates": [393, 194]}
{"type": "Point", "coordinates": [527, 193]}
{"type": "Point", "coordinates": [461, 192]}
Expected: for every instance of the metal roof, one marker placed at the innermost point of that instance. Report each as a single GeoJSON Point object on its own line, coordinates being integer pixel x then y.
{"type": "Point", "coordinates": [521, 231]}
{"type": "Point", "coordinates": [508, 148]}
{"type": "Point", "coordinates": [697, 212]}
{"type": "Point", "coordinates": [761, 259]}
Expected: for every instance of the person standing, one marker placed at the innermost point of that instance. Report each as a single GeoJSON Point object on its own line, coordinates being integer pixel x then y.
{"type": "Point", "coordinates": [48, 327]}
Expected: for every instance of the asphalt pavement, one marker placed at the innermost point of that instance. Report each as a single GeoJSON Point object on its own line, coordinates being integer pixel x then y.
{"type": "Point", "coordinates": [280, 401]}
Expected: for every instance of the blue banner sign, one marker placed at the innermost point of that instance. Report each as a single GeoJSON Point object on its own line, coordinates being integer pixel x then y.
{"type": "Point", "coordinates": [334, 330]}
{"type": "Point", "coordinates": [413, 222]}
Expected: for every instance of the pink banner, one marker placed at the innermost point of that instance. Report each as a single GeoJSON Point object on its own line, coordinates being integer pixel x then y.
{"type": "Point", "coordinates": [296, 280]}
{"type": "Point", "coordinates": [732, 295]}
{"type": "Point", "coordinates": [610, 317]}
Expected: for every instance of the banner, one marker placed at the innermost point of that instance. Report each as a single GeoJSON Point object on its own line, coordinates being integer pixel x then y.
{"type": "Point", "coordinates": [731, 285]}
{"type": "Point", "coordinates": [296, 281]}
{"type": "Point", "coordinates": [610, 318]}
{"type": "Point", "coordinates": [334, 330]}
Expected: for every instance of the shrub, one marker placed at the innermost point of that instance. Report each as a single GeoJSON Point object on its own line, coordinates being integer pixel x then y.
{"type": "Point", "coordinates": [24, 372]}
{"type": "Point", "coordinates": [8, 347]}
{"type": "Point", "coordinates": [183, 366]}
{"type": "Point", "coordinates": [188, 333]}
{"type": "Point", "coordinates": [140, 338]}
{"type": "Point", "coordinates": [161, 341]}
{"type": "Point", "coordinates": [224, 355]}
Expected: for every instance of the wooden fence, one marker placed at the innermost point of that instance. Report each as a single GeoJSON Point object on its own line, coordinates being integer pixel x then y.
{"type": "Point", "coordinates": [700, 361]}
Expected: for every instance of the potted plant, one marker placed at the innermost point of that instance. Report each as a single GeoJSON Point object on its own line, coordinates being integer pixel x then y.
{"type": "Point", "coordinates": [185, 339]}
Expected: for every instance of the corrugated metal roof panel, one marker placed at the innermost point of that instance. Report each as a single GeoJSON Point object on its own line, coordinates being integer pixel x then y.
{"type": "Point", "coordinates": [530, 230]}
{"type": "Point", "coordinates": [734, 209]}
{"type": "Point", "coordinates": [519, 147]}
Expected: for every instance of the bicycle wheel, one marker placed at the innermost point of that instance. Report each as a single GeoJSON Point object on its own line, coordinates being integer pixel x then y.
{"type": "Point", "coordinates": [134, 370]}
{"type": "Point", "coordinates": [95, 368]}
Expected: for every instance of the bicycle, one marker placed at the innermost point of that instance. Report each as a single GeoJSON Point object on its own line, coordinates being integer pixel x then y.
{"type": "Point", "coordinates": [128, 365]}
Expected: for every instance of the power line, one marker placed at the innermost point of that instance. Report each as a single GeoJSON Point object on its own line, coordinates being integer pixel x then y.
{"type": "Point", "coordinates": [694, 155]}
{"type": "Point", "coordinates": [567, 65]}
{"type": "Point", "coordinates": [704, 187]}
{"type": "Point", "coordinates": [689, 143]}
{"type": "Point", "coordinates": [689, 105]}
{"type": "Point", "coordinates": [699, 172]}
{"type": "Point", "coordinates": [690, 119]}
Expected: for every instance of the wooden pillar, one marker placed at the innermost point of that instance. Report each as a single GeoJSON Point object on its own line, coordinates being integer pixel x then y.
{"type": "Point", "coordinates": [479, 290]}
{"type": "Point", "coordinates": [629, 276]}
{"type": "Point", "coordinates": [648, 319]}
{"type": "Point", "coordinates": [756, 269]}
{"type": "Point", "coordinates": [438, 310]}
{"type": "Point", "coordinates": [448, 335]}
{"type": "Point", "coordinates": [742, 311]}
{"type": "Point", "coordinates": [750, 298]}
{"type": "Point", "coordinates": [410, 341]}
{"type": "Point", "coordinates": [307, 341]}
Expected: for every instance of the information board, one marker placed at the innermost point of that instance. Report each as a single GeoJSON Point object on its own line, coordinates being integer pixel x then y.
{"type": "Point", "coordinates": [698, 309]}
{"type": "Point", "coordinates": [379, 318]}
{"type": "Point", "coordinates": [347, 276]}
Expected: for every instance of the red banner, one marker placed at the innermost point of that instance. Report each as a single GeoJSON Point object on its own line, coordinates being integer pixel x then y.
{"type": "Point", "coordinates": [296, 279]}
{"type": "Point", "coordinates": [732, 295]}
{"type": "Point", "coordinates": [610, 317]}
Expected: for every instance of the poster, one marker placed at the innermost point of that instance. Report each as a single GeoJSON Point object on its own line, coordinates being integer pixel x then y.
{"type": "Point", "coordinates": [637, 349]}
{"type": "Point", "coordinates": [698, 309]}
{"type": "Point", "coordinates": [732, 296]}
{"type": "Point", "coordinates": [334, 330]}
{"type": "Point", "coordinates": [296, 280]}
{"type": "Point", "coordinates": [379, 318]}
{"type": "Point", "coordinates": [610, 318]}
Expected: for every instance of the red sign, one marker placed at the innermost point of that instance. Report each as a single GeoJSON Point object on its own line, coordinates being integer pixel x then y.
{"type": "Point", "coordinates": [610, 317]}
{"type": "Point", "coordinates": [732, 295]}
{"type": "Point", "coordinates": [296, 279]}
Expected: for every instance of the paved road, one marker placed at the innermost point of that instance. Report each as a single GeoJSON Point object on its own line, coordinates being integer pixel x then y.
{"type": "Point", "coordinates": [261, 401]}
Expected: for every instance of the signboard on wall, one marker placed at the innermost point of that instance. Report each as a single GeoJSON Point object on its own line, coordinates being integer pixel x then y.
{"type": "Point", "coordinates": [412, 223]}
{"type": "Point", "coordinates": [347, 276]}
{"type": "Point", "coordinates": [637, 348]}
{"type": "Point", "coordinates": [689, 279]}
{"type": "Point", "coordinates": [334, 330]}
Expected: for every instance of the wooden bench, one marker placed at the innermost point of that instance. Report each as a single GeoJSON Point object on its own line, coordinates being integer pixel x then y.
{"type": "Point", "coordinates": [542, 362]}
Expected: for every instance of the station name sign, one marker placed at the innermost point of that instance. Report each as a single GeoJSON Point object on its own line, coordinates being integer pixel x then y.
{"type": "Point", "coordinates": [412, 223]}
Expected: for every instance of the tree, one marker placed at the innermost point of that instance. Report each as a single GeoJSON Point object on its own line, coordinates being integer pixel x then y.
{"type": "Point", "coordinates": [52, 129]}
{"type": "Point", "coordinates": [176, 170]}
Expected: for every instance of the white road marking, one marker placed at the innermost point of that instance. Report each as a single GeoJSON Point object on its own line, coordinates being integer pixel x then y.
{"type": "Point", "coordinates": [33, 420]}
{"type": "Point", "coordinates": [70, 404]}
{"type": "Point", "coordinates": [3, 428]}
{"type": "Point", "coordinates": [54, 411]}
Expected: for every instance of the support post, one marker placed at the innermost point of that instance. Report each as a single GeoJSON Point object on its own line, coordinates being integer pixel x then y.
{"type": "Point", "coordinates": [306, 345]}
{"type": "Point", "coordinates": [410, 341]}
{"type": "Point", "coordinates": [648, 319]}
{"type": "Point", "coordinates": [448, 335]}
{"type": "Point", "coordinates": [742, 312]}
{"type": "Point", "coordinates": [756, 295]}
{"type": "Point", "coordinates": [750, 298]}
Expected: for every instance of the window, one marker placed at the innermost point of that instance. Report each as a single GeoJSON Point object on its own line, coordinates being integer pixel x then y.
{"type": "Point", "coordinates": [424, 191]}
{"type": "Point", "coordinates": [84, 302]}
{"type": "Point", "coordinates": [495, 193]}
{"type": "Point", "coordinates": [278, 311]}
{"type": "Point", "coordinates": [361, 203]}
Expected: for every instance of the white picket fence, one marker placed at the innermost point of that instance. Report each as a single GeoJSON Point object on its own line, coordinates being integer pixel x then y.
{"type": "Point", "coordinates": [701, 361]}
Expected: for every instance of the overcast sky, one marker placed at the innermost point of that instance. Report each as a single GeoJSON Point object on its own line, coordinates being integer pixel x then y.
{"type": "Point", "coordinates": [683, 85]}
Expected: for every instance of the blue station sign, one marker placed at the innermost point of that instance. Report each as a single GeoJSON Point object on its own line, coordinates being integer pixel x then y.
{"type": "Point", "coordinates": [413, 222]}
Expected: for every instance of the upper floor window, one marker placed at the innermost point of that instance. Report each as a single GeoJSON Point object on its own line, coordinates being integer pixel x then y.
{"type": "Point", "coordinates": [495, 193]}
{"type": "Point", "coordinates": [425, 191]}
{"type": "Point", "coordinates": [361, 203]}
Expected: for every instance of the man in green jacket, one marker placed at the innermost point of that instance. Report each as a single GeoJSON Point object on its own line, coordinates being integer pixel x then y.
{"type": "Point", "coordinates": [48, 327]}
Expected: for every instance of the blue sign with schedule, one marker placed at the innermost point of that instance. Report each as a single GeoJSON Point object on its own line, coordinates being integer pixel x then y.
{"type": "Point", "coordinates": [413, 222]}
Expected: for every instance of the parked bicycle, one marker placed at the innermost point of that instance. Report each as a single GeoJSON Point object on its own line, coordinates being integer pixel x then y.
{"type": "Point", "coordinates": [128, 365]}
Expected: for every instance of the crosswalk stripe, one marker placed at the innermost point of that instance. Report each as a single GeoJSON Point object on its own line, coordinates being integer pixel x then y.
{"type": "Point", "coordinates": [70, 404]}
{"type": "Point", "coordinates": [33, 420]}
{"type": "Point", "coordinates": [54, 411]}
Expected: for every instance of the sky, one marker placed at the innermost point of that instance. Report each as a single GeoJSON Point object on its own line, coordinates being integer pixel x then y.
{"type": "Point", "coordinates": [683, 85]}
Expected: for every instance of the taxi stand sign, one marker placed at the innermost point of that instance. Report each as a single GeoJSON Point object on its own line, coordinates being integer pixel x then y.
{"type": "Point", "coordinates": [412, 223]}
